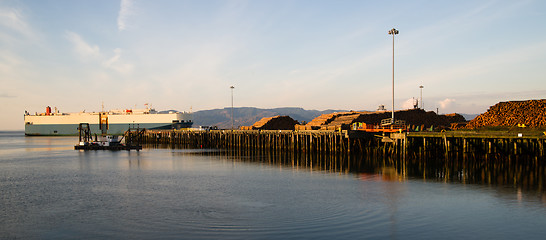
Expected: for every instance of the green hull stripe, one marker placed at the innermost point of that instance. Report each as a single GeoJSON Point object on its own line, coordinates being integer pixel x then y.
{"type": "Point", "coordinates": [72, 129]}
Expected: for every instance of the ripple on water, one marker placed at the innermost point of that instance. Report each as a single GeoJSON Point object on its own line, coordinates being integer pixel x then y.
{"type": "Point", "coordinates": [66, 194]}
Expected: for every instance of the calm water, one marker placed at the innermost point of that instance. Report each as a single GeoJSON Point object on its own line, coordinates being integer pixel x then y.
{"type": "Point", "coordinates": [50, 191]}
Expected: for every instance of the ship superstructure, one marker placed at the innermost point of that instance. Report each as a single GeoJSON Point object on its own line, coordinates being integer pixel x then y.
{"type": "Point", "coordinates": [57, 123]}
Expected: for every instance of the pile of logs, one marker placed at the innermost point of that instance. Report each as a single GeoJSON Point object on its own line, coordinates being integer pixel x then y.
{"type": "Point", "coordinates": [322, 120]}
{"type": "Point", "coordinates": [531, 113]}
{"type": "Point", "coordinates": [273, 123]}
{"type": "Point", "coordinates": [341, 122]}
{"type": "Point", "coordinates": [415, 117]}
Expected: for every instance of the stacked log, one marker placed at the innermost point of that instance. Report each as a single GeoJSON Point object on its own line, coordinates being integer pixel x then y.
{"type": "Point", "coordinates": [341, 122]}
{"type": "Point", "coordinates": [259, 124]}
{"type": "Point", "coordinates": [415, 117]}
{"type": "Point", "coordinates": [273, 123]}
{"type": "Point", "coordinates": [324, 119]}
{"type": "Point", "coordinates": [531, 113]}
{"type": "Point", "coordinates": [456, 126]}
{"type": "Point", "coordinates": [321, 120]}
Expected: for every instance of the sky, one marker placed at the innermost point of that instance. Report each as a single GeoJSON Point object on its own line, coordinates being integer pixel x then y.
{"type": "Point", "coordinates": [185, 55]}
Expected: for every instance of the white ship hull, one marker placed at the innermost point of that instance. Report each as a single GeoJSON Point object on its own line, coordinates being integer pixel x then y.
{"type": "Point", "coordinates": [118, 122]}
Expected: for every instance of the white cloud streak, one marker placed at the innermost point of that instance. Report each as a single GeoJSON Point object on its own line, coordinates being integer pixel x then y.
{"type": "Point", "coordinates": [8, 62]}
{"type": "Point", "coordinates": [14, 20]}
{"type": "Point", "coordinates": [446, 103]}
{"type": "Point", "coordinates": [126, 9]}
{"type": "Point", "coordinates": [409, 104]}
{"type": "Point", "coordinates": [87, 51]}
{"type": "Point", "coordinates": [5, 95]}
{"type": "Point", "coordinates": [81, 47]}
{"type": "Point", "coordinates": [116, 64]}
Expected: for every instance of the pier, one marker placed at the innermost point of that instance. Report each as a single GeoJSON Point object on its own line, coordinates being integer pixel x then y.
{"type": "Point", "coordinates": [349, 142]}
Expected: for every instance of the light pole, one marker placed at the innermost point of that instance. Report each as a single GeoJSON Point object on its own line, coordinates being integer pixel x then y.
{"type": "Point", "coordinates": [393, 32]}
{"type": "Point", "coordinates": [232, 87]}
{"type": "Point", "coordinates": [421, 100]}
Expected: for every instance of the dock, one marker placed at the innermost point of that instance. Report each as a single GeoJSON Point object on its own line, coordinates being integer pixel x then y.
{"type": "Point", "coordinates": [445, 156]}
{"type": "Point", "coordinates": [353, 142]}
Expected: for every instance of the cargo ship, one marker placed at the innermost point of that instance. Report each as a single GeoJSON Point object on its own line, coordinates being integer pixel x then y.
{"type": "Point", "coordinates": [52, 123]}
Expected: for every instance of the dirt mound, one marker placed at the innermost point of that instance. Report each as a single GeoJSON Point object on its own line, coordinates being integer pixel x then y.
{"type": "Point", "coordinates": [532, 113]}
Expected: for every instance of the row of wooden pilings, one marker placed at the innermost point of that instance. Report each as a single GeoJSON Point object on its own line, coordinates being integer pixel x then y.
{"type": "Point", "coordinates": [351, 142]}
{"type": "Point", "coordinates": [324, 142]}
{"type": "Point", "coordinates": [440, 156]}
{"type": "Point", "coordinates": [459, 144]}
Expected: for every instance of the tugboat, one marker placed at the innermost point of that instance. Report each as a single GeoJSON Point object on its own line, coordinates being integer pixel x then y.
{"type": "Point", "coordinates": [108, 142]}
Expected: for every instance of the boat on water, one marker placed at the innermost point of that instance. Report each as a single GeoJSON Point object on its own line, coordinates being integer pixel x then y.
{"type": "Point", "coordinates": [55, 123]}
{"type": "Point", "coordinates": [132, 138]}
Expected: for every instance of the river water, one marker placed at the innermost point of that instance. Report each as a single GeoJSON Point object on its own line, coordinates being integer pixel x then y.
{"type": "Point", "coordinates": [50, 191]}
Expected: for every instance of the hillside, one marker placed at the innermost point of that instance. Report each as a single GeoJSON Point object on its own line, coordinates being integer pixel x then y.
{"type": "Point", "coordinates": [247, 116]}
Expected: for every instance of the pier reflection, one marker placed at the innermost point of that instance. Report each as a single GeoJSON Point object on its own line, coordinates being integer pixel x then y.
{"type": "Point", "coordinates": [527, 173]}
{"type": "Point", "coordinates": [514, 178]}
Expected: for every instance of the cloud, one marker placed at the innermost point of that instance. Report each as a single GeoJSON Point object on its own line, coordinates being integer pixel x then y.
{"type": "Point", "coordinates": [408, 104]}
{"type": "Point", "coordinates": [9, 61]}
{"type": "Point", "coordinates": [126, 9]}
{"type": "Point", "coordinates": [116, 64]}
{"type": "Point", "coordinates": [92, 52]}
{"type": "Point", "coordinates": [446, 103]}
{"type": "Point", "coordinates": [13, 19]}
{"type": "Point", "coordinates": [5, 95]}
{"type": "Point", "coordinates": [81, 47]}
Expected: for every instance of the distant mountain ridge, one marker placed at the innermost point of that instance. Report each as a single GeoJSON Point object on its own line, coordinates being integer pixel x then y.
{"type": "Point", "coordinates": [246, 116]}
{"type": "Point", "coordinates": [469, 117]}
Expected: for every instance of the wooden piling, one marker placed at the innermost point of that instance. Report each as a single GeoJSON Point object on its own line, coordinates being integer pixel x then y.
{"type": "Point", "coordinates": [349, 143]}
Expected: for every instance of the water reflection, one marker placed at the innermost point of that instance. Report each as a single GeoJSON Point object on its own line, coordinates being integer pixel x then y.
{"type": "Point", "coordinates": [524, 173]}
{"type": "Point", "coordinates": [211, 194]}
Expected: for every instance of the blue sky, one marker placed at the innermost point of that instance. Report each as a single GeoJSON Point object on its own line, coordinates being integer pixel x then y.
{"type": "Point", "coordinates": [184, 55]}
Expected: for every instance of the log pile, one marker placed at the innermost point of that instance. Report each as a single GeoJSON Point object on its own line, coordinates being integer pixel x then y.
{"type": "Point", "coordinates": [326, 118]}
{"type": "Point", "coordinates": [415, 117]}
{"type": "Point", "coordinates": [532, 113]}
{"type": "Point", "coordinates": [341, 122]}
{"type": "Point", "coordinates": [273, 123]}
{"type": "Point", "coordinates": [321, 120]}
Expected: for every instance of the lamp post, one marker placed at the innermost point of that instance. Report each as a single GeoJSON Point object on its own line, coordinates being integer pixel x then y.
{"type": "Point", "coordinates": [421, 100]}
{"type": "Point", "coordinates": [232, 87]}
{"type": "Point", "coordinates": [393, 32]}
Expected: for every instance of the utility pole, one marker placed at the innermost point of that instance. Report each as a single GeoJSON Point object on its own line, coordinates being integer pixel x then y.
{"type": "Point", "coordinates": [393, 32]}
{"type": "Point", "coordinates": [421, 100]}
{"type": "Point", "coordinates": [232, 87]}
